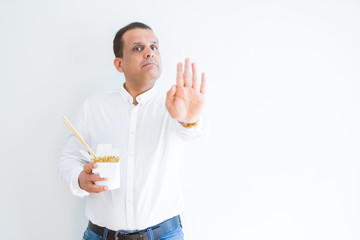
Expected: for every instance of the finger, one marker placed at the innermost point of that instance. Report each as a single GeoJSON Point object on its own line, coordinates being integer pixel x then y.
{"type": "Point", "coordinates": [179, 76]}
{"type": "Point", "coordinates": [202, 87]}
{"type": "Point", "coordinates": [187, 75]}
{"type": "Point", "coordinates": [97, 189]}
{"type": "Point", "coordinates": [194, 82]}
{"type": "Point", "coordinates": [96, 177]}
{"type": "Point", "coordinates": [89, 167]}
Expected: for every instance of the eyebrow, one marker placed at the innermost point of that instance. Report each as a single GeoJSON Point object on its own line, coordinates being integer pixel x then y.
{"type": "Point", "coordinates": [137, 43]}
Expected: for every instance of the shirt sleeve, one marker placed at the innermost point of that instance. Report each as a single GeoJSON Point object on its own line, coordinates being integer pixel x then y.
{"type": "Point", "coordinates": [72, 161]}
{"type": "Point", "coordinates": [188, 134]}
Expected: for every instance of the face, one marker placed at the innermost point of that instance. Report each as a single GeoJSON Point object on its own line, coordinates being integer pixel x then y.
{"type": "Point", "coordinates": [141, 62]}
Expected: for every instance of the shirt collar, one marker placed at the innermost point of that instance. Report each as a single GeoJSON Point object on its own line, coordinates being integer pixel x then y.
{"type": "Point", "coordinates": [142, 98]}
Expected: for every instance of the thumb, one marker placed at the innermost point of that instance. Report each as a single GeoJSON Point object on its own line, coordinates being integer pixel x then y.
{"type": "Point", "coordinates": [171, 93]}
{"type": "Point", "coordinates": [89, 167]}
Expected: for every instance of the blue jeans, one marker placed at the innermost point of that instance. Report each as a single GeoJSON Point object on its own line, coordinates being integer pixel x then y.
{"type": "Point", "coordinates": [176, 234]}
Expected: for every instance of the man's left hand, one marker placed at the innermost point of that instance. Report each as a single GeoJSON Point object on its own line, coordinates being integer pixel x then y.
{"type": "Point", "coordinates": [184, 102]}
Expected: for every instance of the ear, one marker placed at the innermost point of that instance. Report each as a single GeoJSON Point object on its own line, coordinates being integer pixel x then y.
{"type": "Point", "coordinates": [117, 64]}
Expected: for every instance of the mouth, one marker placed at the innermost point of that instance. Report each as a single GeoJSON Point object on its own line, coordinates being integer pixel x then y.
{"type": "Point", "coordinates": [149, 64]}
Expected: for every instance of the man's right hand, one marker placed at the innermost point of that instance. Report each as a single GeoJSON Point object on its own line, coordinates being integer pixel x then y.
{"type": "Point", "coordinates": [87, 179]}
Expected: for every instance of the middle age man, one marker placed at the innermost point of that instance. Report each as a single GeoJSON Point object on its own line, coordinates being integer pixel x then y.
{"type": "Point", "coordinates": [150, 131]}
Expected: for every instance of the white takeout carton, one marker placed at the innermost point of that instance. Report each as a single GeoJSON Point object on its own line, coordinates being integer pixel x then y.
{"type": "Point", "coordinates": [109, 170]}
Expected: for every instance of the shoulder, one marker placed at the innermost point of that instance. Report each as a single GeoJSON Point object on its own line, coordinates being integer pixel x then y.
{"type": "Point", "coordinates": [103, 98]}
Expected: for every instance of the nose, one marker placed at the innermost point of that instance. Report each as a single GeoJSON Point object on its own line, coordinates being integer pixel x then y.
{"type": "Point", "coordinates": [149, 53]}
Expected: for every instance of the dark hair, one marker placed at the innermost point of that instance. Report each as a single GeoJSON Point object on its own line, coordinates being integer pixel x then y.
{"type": "Point", "coordinates": [118, 43]}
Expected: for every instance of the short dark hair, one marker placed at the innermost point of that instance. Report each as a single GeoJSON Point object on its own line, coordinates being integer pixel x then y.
{"type": "Point", "coordinates": [118, 43]}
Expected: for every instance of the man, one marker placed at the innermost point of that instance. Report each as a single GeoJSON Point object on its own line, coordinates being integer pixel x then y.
{"type": "Point", "coordinates": [149, 130]}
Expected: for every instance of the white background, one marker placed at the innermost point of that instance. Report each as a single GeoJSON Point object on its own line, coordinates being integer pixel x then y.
{"type": "Point", "coordinates": [282, 158]}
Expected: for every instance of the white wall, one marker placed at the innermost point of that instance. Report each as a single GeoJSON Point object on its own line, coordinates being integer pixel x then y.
{"type": "Point", "coordinates": [282, 158]}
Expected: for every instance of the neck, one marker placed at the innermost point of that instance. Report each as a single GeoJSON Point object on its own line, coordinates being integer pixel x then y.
{"type": "Point", "coordinates": [136, 90]}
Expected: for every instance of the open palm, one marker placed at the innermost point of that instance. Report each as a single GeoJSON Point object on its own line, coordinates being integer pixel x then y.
{"type": "Point", "coordinates": [184, 102]}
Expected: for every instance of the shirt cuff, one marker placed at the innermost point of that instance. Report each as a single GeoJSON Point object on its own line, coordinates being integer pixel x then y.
{"type": "Point", "coordinates": [191, 133]}
{"type": "Point", "coordinates": [199, 125]}
{"type": "Point", "coordinates": [74, 187]}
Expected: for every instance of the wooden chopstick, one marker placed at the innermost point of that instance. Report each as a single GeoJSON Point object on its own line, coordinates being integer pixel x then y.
{"type": "Point", "coordinates": [79, 137]}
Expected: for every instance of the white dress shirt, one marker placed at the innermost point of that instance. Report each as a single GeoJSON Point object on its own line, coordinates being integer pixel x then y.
{"type": "Point", "coordinates": [151, 146]}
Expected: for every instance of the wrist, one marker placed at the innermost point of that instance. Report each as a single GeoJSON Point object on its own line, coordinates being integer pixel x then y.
{"type": "Point", "coordinates": [188, 125]}
{"type": "Point", "coordinates": [79, 180]}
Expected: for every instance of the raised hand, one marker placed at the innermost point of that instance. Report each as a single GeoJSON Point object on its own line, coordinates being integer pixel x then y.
{"type": "Point", "coordinates": [184, 102]}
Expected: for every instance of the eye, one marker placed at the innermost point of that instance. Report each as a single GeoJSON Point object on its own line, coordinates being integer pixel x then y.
{"type": "Point", "coordinates": [154, 48]}
{"type": "Point", "coordinates": [137, 49]}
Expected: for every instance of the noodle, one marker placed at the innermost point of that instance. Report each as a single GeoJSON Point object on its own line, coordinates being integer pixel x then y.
{"type": "Point", "coordinates": [106, 159]}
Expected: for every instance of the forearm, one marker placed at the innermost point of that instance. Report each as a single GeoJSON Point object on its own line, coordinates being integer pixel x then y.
{"type": "Point", "coordinates": [188, 133]}
{"type": "Point", "coordinates": [70, 166]}
{"type": "Point", "coordinates": [69, 172]}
